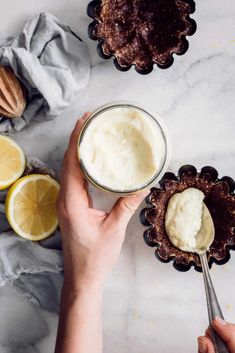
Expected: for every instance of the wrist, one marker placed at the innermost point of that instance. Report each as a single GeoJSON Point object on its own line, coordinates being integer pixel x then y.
{"type": "Point", "coordinates": [78, 287]}
{"type": "Point", "coordinates": [77, 278]}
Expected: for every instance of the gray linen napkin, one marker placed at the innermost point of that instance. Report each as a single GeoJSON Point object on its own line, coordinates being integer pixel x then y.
{"type": "Point", "coordinates": [34, 269]}
{"type": "Point", "coordinates": [53, 64]}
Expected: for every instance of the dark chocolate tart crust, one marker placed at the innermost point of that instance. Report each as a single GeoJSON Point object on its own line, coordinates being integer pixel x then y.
{"type": "Point", "coordinates": [141, 32]}
{"type": "Point", "coordinates": [220, 200]}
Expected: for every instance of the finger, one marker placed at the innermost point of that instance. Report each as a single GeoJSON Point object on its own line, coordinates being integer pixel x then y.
{"type": "Point", "coordinates": [72, 180]}
{"type": "Point", "coordinates": [71, 153]}
{"type": "Point", "coordinates": [208, 332]}
{"type": "Point", "coordinates": [125, 207]}
{"type": "Point", "coordinates": [205, 345]}
{"type": "Point", "coordinates": [226, 332]}
{"type": "Point", "coordinates": [77, 129]}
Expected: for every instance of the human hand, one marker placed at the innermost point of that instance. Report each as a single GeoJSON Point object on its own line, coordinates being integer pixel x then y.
{"type": "Point", "coordinates": [225, 331]}
{"type": "Point", "coordinates": [91, 239]}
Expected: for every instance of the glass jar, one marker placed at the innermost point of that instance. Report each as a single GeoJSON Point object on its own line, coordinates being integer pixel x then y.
{"type": "Point", "coordinates": [162, 135]}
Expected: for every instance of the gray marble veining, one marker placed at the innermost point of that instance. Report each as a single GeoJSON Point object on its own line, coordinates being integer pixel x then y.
{"type": "Point", "coordinates": [148, 305]}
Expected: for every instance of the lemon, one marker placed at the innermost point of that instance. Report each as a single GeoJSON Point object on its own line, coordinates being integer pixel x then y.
{"type": "Point", "coordinates": [12, 162]}
{"type": "Point", "coordinates": [30, 206]}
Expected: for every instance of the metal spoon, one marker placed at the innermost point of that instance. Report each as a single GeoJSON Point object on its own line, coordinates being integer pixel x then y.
{"type": "Point", "coordinates": [205, 238]}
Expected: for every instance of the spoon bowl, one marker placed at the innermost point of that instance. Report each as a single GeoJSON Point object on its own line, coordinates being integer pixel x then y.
{"type": "Point", "coordinates": [206, 234]}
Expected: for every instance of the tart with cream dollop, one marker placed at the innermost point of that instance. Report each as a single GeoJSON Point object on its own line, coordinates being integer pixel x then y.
{"type": "Point", "coordinates": [220, 201]}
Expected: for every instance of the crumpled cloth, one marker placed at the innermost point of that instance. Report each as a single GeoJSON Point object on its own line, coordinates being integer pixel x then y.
{"type": "Point", "coordinates": [35, 269]}
{"type": "Point", "coordinates": [52, 63]}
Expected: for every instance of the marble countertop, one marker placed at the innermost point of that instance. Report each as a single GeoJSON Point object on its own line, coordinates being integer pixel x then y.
{"type": "Point", "coordinates": [149, 306]}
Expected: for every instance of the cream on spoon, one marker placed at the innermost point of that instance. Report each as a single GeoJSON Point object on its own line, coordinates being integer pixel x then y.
{"type": "Point", "coordinates": [188, 222]}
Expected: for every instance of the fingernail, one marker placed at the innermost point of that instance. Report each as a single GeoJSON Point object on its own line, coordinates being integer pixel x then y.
{"type": "Point", "coordinates": [220, 321]}
{"type": "Point", "coordinates": [202, 348]}
{"type": "Point", "coordinates": [86, 115]}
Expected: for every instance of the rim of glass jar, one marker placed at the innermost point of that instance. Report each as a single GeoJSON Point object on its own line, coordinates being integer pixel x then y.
{"type": "Point", "coordinates": [161, 126]}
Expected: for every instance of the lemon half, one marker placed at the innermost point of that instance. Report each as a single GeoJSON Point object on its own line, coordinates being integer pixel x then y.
{"type": "Point", "coordinates": [12, 162]}
{"type": "Point", "coordinates": [30, 206]}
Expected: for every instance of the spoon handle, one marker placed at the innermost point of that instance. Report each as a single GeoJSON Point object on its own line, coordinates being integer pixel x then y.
{"type": "Point", "coordinates": [212, 306]}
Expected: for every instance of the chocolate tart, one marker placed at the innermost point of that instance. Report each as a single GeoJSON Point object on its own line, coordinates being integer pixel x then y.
{"type": "Point", "coordinates": [220, 200]}
{"type": "Point", "coordinates": [141, 32]}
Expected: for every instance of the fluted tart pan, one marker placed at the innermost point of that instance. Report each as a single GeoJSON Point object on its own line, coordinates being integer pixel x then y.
{"type": "Point", "coordinates": [141, 33]}
{"type": "Point", "coordinates": [220, 200]}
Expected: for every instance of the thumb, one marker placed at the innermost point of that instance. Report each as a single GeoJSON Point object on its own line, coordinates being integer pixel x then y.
{"type": "Point", "coordinates": [205, 345]}
{"type": "Point", "coordinates": [125, 207]}
{"type": "Point", "coordinates": [226, 332]}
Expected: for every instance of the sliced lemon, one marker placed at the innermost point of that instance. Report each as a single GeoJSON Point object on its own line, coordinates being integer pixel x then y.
{"type": "Point", "coordinates": [12, 162]}
{"type": "Point", "coordinates": [30, 206]}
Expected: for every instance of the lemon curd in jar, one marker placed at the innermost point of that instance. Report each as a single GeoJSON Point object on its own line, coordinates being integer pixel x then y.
{"type": "Point", "coordinates": [122, 149]}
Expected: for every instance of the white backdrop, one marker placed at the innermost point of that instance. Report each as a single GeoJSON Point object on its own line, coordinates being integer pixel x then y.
{"type": "Point", "coordinates": [149, 306]}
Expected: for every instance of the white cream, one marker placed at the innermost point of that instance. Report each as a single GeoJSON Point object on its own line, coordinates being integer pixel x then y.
{"type": "Point", "coordinates": [122, 149]}
{"type": "Point", "coordinates": [188, 221]}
